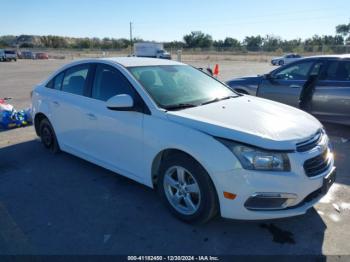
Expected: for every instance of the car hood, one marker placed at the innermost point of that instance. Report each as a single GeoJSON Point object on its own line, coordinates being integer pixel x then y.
{"type": "Point", "coordinates": [255, 121]}
{"type": "Point", "coordinates": [246, 80]}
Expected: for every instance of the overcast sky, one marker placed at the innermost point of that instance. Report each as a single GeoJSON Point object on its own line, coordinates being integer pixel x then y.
{"type": "Point", "coordinates": [163, 20]}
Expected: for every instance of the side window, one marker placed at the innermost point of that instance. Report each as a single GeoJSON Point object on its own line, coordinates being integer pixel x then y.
{"type": "Point", "coordinates": [317, 69]}
{"type": "Point", "coordinates": [75, 78]}
{"type": "Point", "coordinates": [297, 71]}
{"type": "Point", "coordinates": [109, 82]}
{"type": "Point", "coordinates": [50, 83]}
{"type": "Point", "coordinates": [338, 71]}
{"type": "Point", "coordinates": [57, 84]}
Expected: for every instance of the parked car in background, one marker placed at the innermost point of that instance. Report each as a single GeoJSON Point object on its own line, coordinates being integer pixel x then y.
{"type": "Point", "coordinates": [205, 148]}
{"type": "Point", "coordinates": [283, 60]}
{"type": "Point", "coordinates": [2, 55]}
{"type": "Point", "coordinates": [151, 49]}
{"type": "Point", "coordinates": [28, 55]}
{"type": "Point", "coordinates": [10, 55]}
{"type": "Point", "coordinates": [19, 54]}
{"type": "Point", "coordinates": [331, 97]}
{"type": "Point", "coordinates": [41, 55]}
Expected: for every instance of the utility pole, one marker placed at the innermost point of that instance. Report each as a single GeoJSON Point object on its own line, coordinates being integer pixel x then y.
{"type": "Point", "coordinates": [131, 38]}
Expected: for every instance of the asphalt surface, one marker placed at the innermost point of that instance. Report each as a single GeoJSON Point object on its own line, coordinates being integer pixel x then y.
{"type": "Point", "coordinates": [60, 204]}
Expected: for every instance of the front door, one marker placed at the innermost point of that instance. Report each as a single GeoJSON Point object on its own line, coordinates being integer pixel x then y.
{"type": "Point", "coordinates": [118, 139]}
{"type": "Point", "coordinates": [286, 83]}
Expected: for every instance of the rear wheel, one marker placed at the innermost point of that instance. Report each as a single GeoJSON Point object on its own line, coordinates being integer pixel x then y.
{"type": "Point", "coordinates": [48, 136]}
{"type": "Point", "coordinates": [187, 189]}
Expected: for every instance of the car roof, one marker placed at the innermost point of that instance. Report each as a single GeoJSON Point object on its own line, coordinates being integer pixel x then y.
{"type": "Point", "coordinates": [329, 56]}
{"type": "Point", "coordinates": [123, 61]}
{"type": "Point", "coordinates": [140, 61]}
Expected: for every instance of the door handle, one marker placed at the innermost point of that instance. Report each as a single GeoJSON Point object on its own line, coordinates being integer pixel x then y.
{"type": "Point", "coordinates": [91, 116]}
{"type": "Point", "coordinates": [295, 86]}
{"type": "Point", "coordinates": [55, 103]}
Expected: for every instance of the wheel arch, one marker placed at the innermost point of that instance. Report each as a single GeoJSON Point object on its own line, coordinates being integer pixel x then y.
{"type": "Point", "coordinates": [156, 163]}
{"type": "Point", "coordinates": [166, 152]}
{"type": "Point", "coordinates": [37, 119]}
{"type": "Point", "coordinates": [157, 160]}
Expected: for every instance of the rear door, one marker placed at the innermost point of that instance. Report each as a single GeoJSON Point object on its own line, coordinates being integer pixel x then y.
{"type": "Point", "coordinates": [285, 84]}
{"type": "Point", "coordinates": [68, 107]}
{"type": "Point", "coordinates": [331, 99]}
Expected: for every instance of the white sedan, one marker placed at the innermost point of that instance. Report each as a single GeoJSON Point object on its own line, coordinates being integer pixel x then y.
{"type": "Point", "coordinates": [283, 60]}
{"type": "Point", "coordinates": [205, 148]}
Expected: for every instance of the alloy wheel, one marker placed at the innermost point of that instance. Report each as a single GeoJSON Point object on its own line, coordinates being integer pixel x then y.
{"type": "Point", "coordinates": [182, 190]}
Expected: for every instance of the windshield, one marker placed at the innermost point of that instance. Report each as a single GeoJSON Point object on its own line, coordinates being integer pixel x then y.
{"type": "Point", "coordinates": [174, 86]}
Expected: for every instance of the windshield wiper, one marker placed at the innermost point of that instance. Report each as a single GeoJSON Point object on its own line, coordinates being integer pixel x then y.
{"type": "Point", "coordinates": [179, 106]}
{"type": "Point", "coordinates": [217, 100]}
{"type": "Point", "coordinates": [188, 105]}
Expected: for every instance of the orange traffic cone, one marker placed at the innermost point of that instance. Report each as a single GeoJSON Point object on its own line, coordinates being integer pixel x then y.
{"type": "Point", "coordinates": [216, 70]}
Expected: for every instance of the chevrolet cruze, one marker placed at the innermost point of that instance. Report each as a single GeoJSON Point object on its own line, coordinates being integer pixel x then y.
{"type": "Point", "coordinates": [205, 148]}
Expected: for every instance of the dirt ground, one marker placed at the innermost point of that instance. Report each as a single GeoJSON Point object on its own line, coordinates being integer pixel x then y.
{"type": "Point", "coordinates": [60, 204]}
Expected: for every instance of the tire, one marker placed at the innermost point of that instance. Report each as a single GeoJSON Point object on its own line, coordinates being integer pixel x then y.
{"type": "Point", "coordinates": [48, 136]}
{"type": "Point", "coordinates": [197, 189]}
{"type": "Point", "coordinates": [281, 63]}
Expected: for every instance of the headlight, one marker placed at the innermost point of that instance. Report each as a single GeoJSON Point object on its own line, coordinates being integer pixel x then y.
{"type": "Point", "coordinates": [257, 159]}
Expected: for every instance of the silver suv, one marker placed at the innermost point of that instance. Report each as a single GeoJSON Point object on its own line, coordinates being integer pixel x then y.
{"type": "Point", "coordinates": [10, 55]}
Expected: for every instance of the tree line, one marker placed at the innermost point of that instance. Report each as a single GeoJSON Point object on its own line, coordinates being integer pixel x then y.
{"type": "Point", "coordinates": [194, 40]}
{"type": "Point", "coordinates": [60, 42]}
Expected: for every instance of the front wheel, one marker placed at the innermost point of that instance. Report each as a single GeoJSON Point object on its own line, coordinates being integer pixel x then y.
{"type": "Point", "coordinates": [187, 189]}
{"type": "Point", "coordinates": [281, 63]}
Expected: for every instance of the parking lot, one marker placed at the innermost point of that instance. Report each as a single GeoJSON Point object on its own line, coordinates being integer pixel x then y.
{"type": "Point", "coordinates": [60, 204]}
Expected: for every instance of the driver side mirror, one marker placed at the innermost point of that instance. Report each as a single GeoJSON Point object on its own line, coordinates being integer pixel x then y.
{"type": "Point", "coordinates": [120, 102]}
{"type": "Point", "coordinates": [268, 76]}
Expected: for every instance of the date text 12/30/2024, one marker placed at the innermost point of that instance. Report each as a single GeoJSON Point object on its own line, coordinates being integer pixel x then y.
{"type": "Point", "coordinates": [173, 258]}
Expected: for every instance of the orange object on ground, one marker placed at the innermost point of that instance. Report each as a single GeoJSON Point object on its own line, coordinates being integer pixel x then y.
{"type": "Point", "coordinates": [216, 70]}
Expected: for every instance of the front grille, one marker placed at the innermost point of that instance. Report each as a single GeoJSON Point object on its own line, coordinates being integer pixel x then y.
{"type": "Point", "coordinates": [310, 143]}
{"type": "Point", "coordinates": [317, 165]}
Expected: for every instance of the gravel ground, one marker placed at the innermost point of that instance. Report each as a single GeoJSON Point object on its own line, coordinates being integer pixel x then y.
{"type": "Point", "coordinates": [60, 204]}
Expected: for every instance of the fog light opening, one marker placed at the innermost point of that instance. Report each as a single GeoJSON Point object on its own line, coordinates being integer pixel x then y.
{"type": "Point", "coordinates": [270, 201]}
